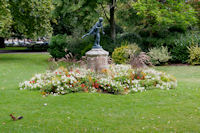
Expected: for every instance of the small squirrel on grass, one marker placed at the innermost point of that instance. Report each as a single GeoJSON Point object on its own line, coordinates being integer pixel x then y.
{"type": "Point", "coordinates": [14, 118]}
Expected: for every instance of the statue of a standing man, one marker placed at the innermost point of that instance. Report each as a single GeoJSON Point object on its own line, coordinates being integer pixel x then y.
{"type": "Point", "coordinates": [96, 32]}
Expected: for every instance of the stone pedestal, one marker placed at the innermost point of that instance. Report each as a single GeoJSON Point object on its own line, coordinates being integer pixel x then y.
{"type": "Point", "coordinates": [97, 59]}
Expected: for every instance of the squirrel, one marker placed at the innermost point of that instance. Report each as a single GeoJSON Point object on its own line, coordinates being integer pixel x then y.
{"type": "Point", "coordinates": [14, 118]}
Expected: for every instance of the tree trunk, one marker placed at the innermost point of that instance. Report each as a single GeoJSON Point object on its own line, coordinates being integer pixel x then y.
{"type": "Point", "coordinates": [112, 20]}
{"type": "Point", "coordinates": [2, 44]}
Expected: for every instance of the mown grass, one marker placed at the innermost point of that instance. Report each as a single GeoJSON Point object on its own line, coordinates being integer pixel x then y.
{"type": "Point", "coordinates": [151, 111]}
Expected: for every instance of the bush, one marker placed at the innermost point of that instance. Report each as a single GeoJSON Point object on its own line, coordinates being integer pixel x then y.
{"type": "Point", "coordinates": [130, 38]}
{"type": "Point", "coordinates": [78, 47]}
{"type": "Point", "coordinates": [159, 55]}
{"type": "Point", "coordinates": [122, 54]}
{"type": "Point", "coordinates": [194, 55]}
{"type": "Point", "coordinates": [118, 79]}
{"type": "Point", "coordinates": [117, 28]}
{"type": "Point", "coordinates": [177, 44]}
{"type": "Point", "coordinates": [57, 46]}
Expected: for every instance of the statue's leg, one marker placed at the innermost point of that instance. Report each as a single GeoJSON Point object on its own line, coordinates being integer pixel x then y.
{"type": "Point", "coordinates": [98, 38]}
{"type": "Point", "coordinates": [95, 38]}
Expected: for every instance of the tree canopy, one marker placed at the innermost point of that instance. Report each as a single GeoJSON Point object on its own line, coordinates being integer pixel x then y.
{"type": "Point", "coordinates": [158, 16]}
{"type": "Point", "coordinates": [28, 18]}
{"type": "Point", "coordinates": [5, 18]}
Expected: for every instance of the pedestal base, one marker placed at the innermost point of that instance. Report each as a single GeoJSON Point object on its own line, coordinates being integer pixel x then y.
{"type": "Point", "coordinates": [97, 59]}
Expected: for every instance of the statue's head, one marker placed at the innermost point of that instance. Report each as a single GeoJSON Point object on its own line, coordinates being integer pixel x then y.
{"type": "Point", "coordinates": [100, 19]}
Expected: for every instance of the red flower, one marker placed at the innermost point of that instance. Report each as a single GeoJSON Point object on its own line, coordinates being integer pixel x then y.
{"type": "Point", "coordinates": [68, 75]}
{"type": "Point", "coordinates": [95, 85]}
{"type": "Point", "coordinates": [59, 72]}
{"type": "Point", "coordinates": [82, 85]}
{"type": "Point", "coordinates": [56, 73]}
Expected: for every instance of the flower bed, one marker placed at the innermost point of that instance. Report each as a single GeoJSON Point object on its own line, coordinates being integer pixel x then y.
{"type": "Point", "coordinates": [118, 79]}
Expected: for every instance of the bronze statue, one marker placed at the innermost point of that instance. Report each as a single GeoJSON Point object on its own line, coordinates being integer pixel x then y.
{"type": "Point", "coordinates": [95, 31]}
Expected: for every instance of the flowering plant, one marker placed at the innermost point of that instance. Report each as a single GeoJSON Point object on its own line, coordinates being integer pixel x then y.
{"type": "Point", "coordinates": [118, 79]}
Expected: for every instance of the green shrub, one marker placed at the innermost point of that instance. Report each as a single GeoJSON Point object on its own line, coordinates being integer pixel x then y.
{"type": "Point", "coordinates": [177, 44]}
{"type": "Point", "coordinates": [57, 46]}
{"type": "Point", "coordinates": [122, 54]}
{"type": "Point", "coordinates": [194, 55]}
{"type": "Point", "coordinates": [118, 29]}
{"type": "Point", "coordinates": [78, 47]}
{"type": "Point", "coordinates": [131, 37]}
{"type": "Point", "coordinates": [159, 55]}
{"type": "Point", "coordinates": [108, 44]}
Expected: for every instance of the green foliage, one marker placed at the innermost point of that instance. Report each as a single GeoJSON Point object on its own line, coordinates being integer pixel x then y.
{"type": "Point", "coordinates": [70, 15]}
{"type": "Point", "coordinates": [131, 37]}
{"type": "Point", "coordinates": [108, 44]}
{"type": "Point", "coordinates": [118, 29]}
{"type": "Point", "coordinates": [5, 18]}
{"type": "Point", "coordinates": [122, 54]}
{"type": "Point", "coordinates": [160, 17]}
{"type": "Point", "coordinates": [196, 5]}
{"type": "Point", "coordinates": [194, 52]}
{"type": "Point", "coordinates": [76, 46]}
{"type": "Point", "coordinates": [31, 17]}
{"type": "Point", "coordinates": [177, 44]}
{"type": "Point", "coordinates": [57, 46]}
{"type": "Point", "coordinates": [159, 55]}
{"type": "Point", "coordinates": [127, 16]}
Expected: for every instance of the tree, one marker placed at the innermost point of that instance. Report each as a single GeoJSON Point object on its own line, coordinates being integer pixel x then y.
{"type": "Point", "coordinates": [112, 19]}
{"type": "Point", "coordinates": [71, 14]}
{"type": "Point", "coordinates": [113, 6]}
{"type": "Point", "coordinates": [196, 5]}
{"type": "Point", "coordinates": [5, 21]}
{"type": "Point", "coordinates": [164, 16]}
{"type": "Point", "coordinates": [74, 17]}
{"type": "Point", "coordinates": [30, 18]}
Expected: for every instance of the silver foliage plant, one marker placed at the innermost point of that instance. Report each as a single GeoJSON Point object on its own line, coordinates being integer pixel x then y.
{"type": "Point", "coordinates": [159, 55]}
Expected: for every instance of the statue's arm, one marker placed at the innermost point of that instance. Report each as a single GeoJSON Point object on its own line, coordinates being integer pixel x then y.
{"type": "Point", "coordinates": [84, 35]}
{"type": "Point", "coordinates": [89, 33]}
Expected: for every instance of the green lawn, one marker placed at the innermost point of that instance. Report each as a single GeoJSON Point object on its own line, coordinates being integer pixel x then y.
{"type": "Point", "coordinates": [151, 111]}
{"type": "Point", "coordinates": [14, 48]}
